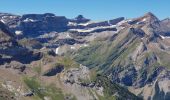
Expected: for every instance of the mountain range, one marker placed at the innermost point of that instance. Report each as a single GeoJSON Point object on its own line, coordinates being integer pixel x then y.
{"type": "Point", "coordinates": [49, 57]}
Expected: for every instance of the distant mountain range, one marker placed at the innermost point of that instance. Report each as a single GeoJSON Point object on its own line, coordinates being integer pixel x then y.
{"type": "Point", "coordinates": [49, 57]}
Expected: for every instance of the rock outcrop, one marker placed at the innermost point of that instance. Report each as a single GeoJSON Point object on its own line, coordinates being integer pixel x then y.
{"type": "Point", "coordinates": [11, 50]}
{"type": "Point", "coordinates": [79, 19]}
{"type": "Point", "coordinates": [35, 24]}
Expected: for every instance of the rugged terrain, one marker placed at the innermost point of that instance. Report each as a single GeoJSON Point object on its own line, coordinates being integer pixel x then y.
{"type": "Point", "coordinates": [49, 57]}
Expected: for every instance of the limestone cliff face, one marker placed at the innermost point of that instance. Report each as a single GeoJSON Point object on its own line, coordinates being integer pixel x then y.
{"type": "Point", "coordinates": [11, 50]}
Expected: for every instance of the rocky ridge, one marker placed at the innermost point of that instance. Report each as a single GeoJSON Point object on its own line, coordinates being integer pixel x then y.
{"type": "Point", "coordinates": [80, 59]}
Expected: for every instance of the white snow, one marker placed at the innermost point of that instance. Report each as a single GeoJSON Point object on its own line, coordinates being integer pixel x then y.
{"type": "Point", "coordinates": [2, 21]}
{"type": "Point", "coordinates": [129, 20]}
{"type": "Point", "coordinates": [68, 35]}
{"type": "Point", "coordinates": [12, 17]}
{"type": "Point", "coordinates": [29, 20]}
{"type": "Point", "coordinates": [4, 17]}
{"type": "Point", "coordinates": [72, 47]}
{"type": "Point", "coordinates": [18, 32]}
{"type": "Point", "coordinates": [85, 24]}
{"type": "Point", "coordinates": [57, 50]}
{"type": "Point", "coordinates": [72, 24]}
{"type": "Point", "coordinates": [109, 23]}
{"type": "Point", "coordinates": [168, 37]}
{"type": "Point", "coordinates": [82, 24]}
{"type": "Point", "coordinates": [92, 29]}
{"type": "Point", "coordinates": [144, 20]}
{"type": "Point", "coordinates": [164, 37]}
{"type": "Point", "coordinates": [82, 30]}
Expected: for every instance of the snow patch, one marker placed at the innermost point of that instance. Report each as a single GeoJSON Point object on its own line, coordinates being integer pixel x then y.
{"type": "Point", "coordinates": [82, 24]}
{"type": "Point", "coordinates": [68, 35]}
{"type": "Point", "coordinates": [129, 20]}
{"type": "Point", "coordinates": [2, 21]}
{"type": "Point", "coordinates": [93, 29]}
{"type": "Point", "coordinates": [12, 17]}
{"type": "Point", "coordinates": [57, 50]}
{"type": "Point", "coordinates": [144, 20]}
{"type": "Point", "coordinates": [72, 24]}
{"type": "Point", "coordinates": [85, 24]}
{"type": "Point", "coordinates": [73, 48]}
{"type": "Point", "coordinates": [18, 32]}
{"type": "Point", "coordinates": [4, 17]}
{"type": "Point", "coordinates": [109, 23]}
{"type": "Point", "coordinates": [29, 20]}
{"type": "Point", "coordinates": [164, 37]}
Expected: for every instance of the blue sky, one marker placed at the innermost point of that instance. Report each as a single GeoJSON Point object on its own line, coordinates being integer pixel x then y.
{"type": "Point", "coordinates": [94, 9]}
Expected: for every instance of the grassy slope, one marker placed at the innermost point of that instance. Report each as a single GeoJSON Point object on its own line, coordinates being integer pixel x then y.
{"type": "Point", "coordinates": [55, 93]}
{"type": "Point", "coordinates": [111, 88]}
{"type": "Point", "coordinates": [41, 90]}
{"type": "Point", "coordinates": [106, 54]}
{"type": "Point", "coordinates": [49, 91]}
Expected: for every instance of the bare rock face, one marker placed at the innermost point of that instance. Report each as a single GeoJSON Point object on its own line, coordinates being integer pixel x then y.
{"type": "Point", "coordinates": [7, 42]}
{"type": "Point", "coordinates": [40, 23]}
{"type": "Point", "coordinates": [34, 24]}
{"type": "Point", "coordinates": [74, 75]}
{"type": "Point", "coordinates": [158, 89]}
{"type": "Point", "coordinates": [5, 35]}
{"type": "Point", "coordinates": [11, 50]}
{"type": "Point", "coordinates": [165, 26]}
{"type": "Point", "coordinates": [10, 20]}
{"type": "Point", "coordinates": [106, 23]}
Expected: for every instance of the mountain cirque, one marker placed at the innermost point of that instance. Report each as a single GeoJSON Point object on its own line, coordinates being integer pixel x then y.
{"type": "Point", "coordinates": [49, 57]}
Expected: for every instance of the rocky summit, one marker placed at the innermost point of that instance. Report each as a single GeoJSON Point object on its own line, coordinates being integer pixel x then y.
{"type": "Point", "coordinates": [50, 57]}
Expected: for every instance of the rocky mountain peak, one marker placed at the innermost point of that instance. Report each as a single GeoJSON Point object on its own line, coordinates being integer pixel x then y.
{"type": "Point", "coordinates": [149, 23]}
{"type": "Point", "coordinates": [150, 17]}
{"type": "Point", "coordinates": [149, 14]}
{"type": "Point", "coordinates": [80, 19]}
